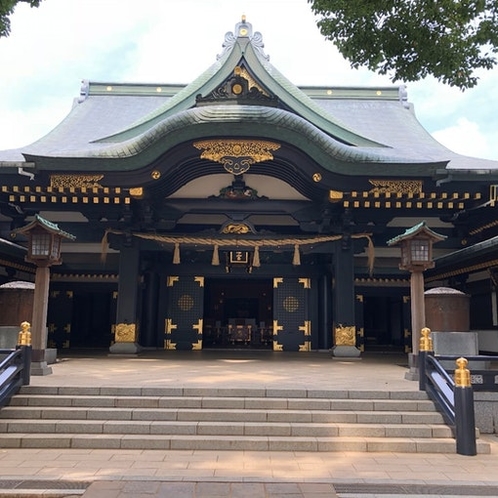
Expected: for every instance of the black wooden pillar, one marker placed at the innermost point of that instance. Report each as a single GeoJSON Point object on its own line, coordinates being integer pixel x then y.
{"type": "Point", "coordinates": [325, 306]}
{"type": "Point", "coordinates": [126, 327]}
{"type": "Point", "coordinates": [344, 301]}
{"type": "Point", "coordinates": [149, 332]}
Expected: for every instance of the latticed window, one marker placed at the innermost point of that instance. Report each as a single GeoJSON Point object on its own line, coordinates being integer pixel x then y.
{"type": "Point", "coordinates": [40, 244]}
{"type": "Point", "coordinates": [56, 248]}
{"type": "Point", "coordinates": [420, 250]}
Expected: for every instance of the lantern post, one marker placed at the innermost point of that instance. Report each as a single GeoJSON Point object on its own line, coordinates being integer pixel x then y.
{"type": "Point", "coordinates": [44, 250]}
{"type": "Point", "coordinates": [416, 257]}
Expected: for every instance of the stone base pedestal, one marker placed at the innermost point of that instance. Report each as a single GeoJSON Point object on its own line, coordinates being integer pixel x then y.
{"type": "Point", "coordinates": [125, 348]}
{"type": "Point", "coordinates": [40, 368]}
{"type": "Point", "coordinates": [346, 352]}
{"type": "Point", "coordinates": [413, 373]}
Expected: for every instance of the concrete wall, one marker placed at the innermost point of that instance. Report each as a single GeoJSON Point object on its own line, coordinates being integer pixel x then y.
{"type": "Point", "coordinates": [488, 340]}
{"type": "Point", "coordinates": [8, 337]}
{"type": "Point", "coordinates": [486, 411]}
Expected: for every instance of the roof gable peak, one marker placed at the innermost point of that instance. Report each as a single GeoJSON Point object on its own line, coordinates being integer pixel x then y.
{"type": "Point", "coordinates": [243, 34]}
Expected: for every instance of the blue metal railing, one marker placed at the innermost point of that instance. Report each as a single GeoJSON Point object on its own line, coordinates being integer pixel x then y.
{"type": "Point", "coordinates": [15, 369]}
{"type": "Point", "coordinates": [453, 397]}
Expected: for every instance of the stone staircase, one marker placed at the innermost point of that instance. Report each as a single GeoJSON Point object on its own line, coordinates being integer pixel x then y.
{"type": "Point", "coordinates": [225, 419]}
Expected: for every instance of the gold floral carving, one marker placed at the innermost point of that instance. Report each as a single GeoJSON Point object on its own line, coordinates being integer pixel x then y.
{"type": "Point", "coordinates": [396, 186]}
{"type": "Point", "coordinates": [75, 181]}
{"type": "Point", "coordinates": [345, 336]}
{"type": "Point", "coordinates": [242, 71]}
{"type": "Point", "coordinates": [238, 228]}
{"type": "Point", "coordinates": [125, 332]}
{"type": "Point", "coordinates": [237, 156]}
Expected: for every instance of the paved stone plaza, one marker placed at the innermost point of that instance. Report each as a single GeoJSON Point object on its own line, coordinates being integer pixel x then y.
{"type": "Point", "coordinates": [148, 473]}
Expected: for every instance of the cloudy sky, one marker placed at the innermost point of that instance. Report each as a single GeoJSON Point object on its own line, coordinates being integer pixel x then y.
{"type": "Point", "coordinates": [52, 48]}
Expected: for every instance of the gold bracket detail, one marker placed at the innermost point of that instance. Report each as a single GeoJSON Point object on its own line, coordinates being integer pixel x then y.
{"type": "Point", "coordinates": [169, 325]}
{"type": "Point", "coordinates": [306, 282]}
{"type": "Point", "coordinates": [306, 328]}
{"type": "Point", "coordinates": [171, 281]}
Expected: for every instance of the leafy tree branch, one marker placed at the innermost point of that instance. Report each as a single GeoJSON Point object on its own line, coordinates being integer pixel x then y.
{"type": "Point", "coordinates": [411, 39]}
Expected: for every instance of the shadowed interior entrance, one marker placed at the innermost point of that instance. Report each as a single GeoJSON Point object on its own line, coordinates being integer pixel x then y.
{"type": "Point", "coordinates": [238, 313]}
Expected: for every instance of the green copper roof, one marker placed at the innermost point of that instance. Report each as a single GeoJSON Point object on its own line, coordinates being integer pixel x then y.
{"type": "Point", "coordinates": [416, 230]}
{"type": "Point", "coordinates": [47, 225]}
{"type": "Point", "coordinates": [247, 51]}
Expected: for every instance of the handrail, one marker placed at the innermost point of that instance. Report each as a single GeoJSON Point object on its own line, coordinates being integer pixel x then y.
{"type": "Point", "coordinates": [15, 368]}
{"type": "Point", "coordinates": [453, 397]}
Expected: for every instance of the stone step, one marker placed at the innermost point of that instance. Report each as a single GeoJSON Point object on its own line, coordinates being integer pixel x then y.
{"type": "Point", "coordinates": [219, 443]}
{"type": "Point", "coordinates": [224, 419]}
{"type": "Point", "coordinates": [226, 415]}
{"type": "Point", "coordinates": [206, 402]}
{"type": "Point", "coordinates": [222, 428]}
{"type": "Point", "coordinates": [223, 392]}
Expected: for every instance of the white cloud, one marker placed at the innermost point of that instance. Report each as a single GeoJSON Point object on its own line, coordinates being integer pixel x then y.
{"type": "Point", "coordinates": [465, 137]}
{"type": "Point", "coordinates": [52, 48]}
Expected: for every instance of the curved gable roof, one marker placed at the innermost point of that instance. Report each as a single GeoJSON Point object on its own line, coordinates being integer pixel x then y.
{"type": "Point", "coordinates": [246, 50]}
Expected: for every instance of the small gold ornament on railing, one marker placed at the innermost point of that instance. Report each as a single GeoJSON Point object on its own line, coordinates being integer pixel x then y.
{"type": "Point", "coordinates": [426, 340]}
{"type": "Point", "coordinates": [462, 374]}
{"type": "Point", "coordinates": [24, 338]}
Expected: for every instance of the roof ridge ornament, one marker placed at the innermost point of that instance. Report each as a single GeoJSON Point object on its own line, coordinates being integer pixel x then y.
{"type": "Point", "coordinates": [243, 29]}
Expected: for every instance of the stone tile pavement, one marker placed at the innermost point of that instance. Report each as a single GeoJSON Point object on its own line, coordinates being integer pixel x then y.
{"type": "Point", "coordinates": [208, 474]}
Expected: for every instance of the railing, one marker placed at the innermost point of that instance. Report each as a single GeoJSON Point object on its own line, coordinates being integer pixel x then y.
{"type": "Point", "coordinates": [15, 366]}
{"type": "Point", "coordinates": [454, 397]}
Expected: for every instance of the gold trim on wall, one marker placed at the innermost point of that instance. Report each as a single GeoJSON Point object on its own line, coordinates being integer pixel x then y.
{"type": "Point", "coordinates": [397, 186]}
{"type": "Point", "coordinates": [76, 181]}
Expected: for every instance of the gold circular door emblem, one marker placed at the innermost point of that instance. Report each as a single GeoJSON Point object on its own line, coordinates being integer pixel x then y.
{"type": "Point", "coordinates": [186, 302]}
{"type": "Point", "coordinates": [291, 304]}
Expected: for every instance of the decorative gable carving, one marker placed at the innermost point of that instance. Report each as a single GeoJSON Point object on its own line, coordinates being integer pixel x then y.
{"type": "Point", "coordinates": [240, 88]}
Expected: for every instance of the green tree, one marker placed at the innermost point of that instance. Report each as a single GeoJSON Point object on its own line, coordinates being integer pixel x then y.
{"type": "Point", "coordinates": [7, 8]}
{"type": "Point", "coordinates": [411, 39]}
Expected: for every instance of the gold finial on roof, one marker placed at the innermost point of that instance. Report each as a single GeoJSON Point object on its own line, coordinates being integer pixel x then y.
{"type": "Point", "coordinates": [243, 18]}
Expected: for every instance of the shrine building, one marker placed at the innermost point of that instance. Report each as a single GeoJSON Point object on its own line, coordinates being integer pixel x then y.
{"type": "Point", "coordinates": [243, 211]}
